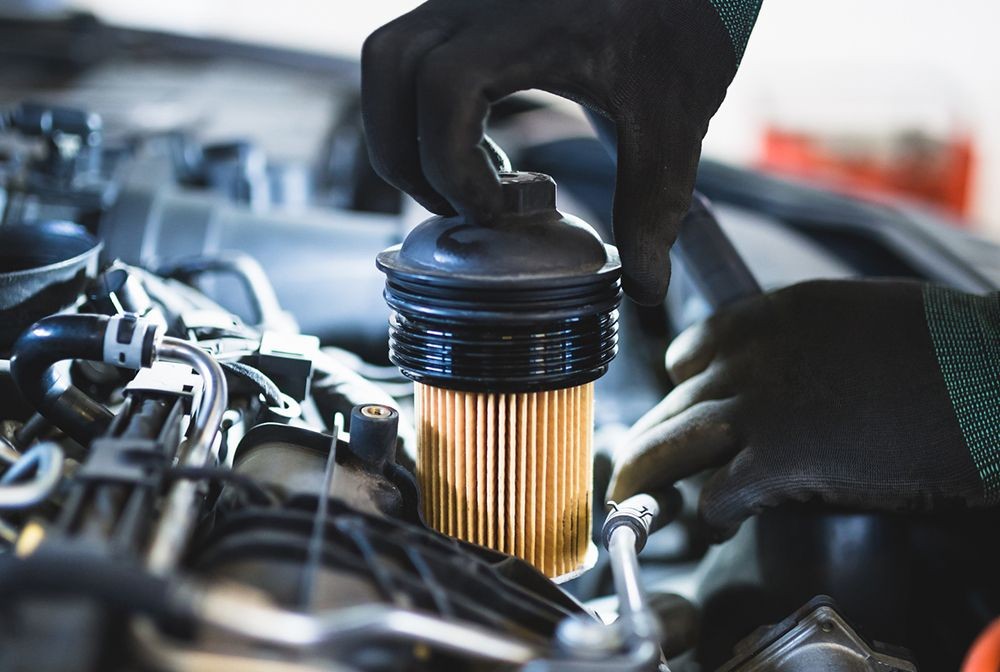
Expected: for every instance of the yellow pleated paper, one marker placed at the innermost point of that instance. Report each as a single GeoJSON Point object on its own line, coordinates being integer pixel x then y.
{"type": "Point", "coordinates": [509, 471]}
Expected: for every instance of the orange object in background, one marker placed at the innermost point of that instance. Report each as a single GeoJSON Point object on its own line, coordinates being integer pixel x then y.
{"type": "Point", "coordinates": [911, 165]}
{"type": "Point", "coordinates": [985, 653]}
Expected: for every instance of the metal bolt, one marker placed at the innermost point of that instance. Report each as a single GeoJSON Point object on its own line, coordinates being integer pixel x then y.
{"type": "Point", "coordinates": [376, 411]}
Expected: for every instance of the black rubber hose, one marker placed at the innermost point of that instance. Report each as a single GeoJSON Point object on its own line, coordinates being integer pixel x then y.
{"type": "Point", "coordinates": [246, 269]}
{"type": "Point", "coordinates": [33, 367]}
{"type": "Point", "coordinates": [711, 260]}
{"type": "Point", "coordinates": [264, 385]}
{"type": "Point", "coordinates": [118, 585]}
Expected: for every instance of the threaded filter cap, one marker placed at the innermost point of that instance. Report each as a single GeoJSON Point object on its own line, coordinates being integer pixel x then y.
{"type": "Point", "coordinates": [526, 303]}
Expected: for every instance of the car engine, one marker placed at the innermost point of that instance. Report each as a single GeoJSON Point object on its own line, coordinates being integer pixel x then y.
{"type": "Point", "coordinates": [207, 460]}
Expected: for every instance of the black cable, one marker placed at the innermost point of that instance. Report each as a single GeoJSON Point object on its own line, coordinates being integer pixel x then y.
{"type": "Point", "coordinates": [224, 475]}
{"type": "Point", "coordinates": [245, 268]}
{"type": "Point", "coordinates": [266, 386]}
{"type": "Point", "coordinates": [117, 584]}
{"type": "Point", "coordinates": [318, 535]}
{"type": "Point", "coordinates": [373, 372]}
{"type": "Point", "coordinates": [33, 428]}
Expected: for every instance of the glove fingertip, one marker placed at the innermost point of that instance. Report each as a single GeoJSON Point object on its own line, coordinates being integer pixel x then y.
{"type": "Point", "coordinates": [644, 237]}
{"type": "Point", "coordinates": [648, 287]}
{"type": "Point", "coordinates": [464, 176]}
{"type": "Point", "coordinates": [434, 203]}
{"type": "Point", "coordinates": [657, 165]}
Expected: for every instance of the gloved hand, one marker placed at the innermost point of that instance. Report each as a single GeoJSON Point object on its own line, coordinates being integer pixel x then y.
{"type": "Point", "coordinates": [658, 68]}
{"type": "Point", "coordinates": [872, 395]}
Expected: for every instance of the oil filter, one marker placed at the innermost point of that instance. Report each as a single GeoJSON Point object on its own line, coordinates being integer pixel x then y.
{"type": "Point", "coordinates": [504, 326]}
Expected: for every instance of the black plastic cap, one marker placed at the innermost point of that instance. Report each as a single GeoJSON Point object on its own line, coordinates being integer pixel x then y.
{"type": "Point", "coordinates": [373, 431]}
{"type": "Point", "coordinates": [525, 193]}
{"type": "Point", "coordinates": [526, 303]}
{"type": "Point", "coordinates": [529, 240]}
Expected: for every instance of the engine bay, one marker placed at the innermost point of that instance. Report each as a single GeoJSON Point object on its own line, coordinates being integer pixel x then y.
{"type": "Point", "coordinates": [208, 459]}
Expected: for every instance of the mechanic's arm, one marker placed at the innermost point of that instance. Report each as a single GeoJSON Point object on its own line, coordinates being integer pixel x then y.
{"type": "Point", "coordinates": [874, 395]}
{"type": "Point", "coordinates": [659, 69]}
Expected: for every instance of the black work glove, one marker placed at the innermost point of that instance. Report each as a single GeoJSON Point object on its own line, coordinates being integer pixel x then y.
{"type": "Point", "coordinates": [658, 68]}
{"type": "Point", "coordinates": [872, 395]}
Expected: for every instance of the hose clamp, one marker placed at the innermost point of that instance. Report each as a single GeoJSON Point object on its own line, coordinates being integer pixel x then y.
{"type": "Point", "coordinates": [129, 341]}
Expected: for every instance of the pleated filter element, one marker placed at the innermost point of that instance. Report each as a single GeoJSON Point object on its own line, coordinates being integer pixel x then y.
{"type": "Point", "coordinates": [509, 471]}
{"type": "Point", "coordinates": [504, 324]}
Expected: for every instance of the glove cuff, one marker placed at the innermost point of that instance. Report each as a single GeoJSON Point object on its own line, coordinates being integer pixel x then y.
{"type": "Point", "coordinates": [965, 331]}
{"type": "Point", "coordinates": [739, 17]}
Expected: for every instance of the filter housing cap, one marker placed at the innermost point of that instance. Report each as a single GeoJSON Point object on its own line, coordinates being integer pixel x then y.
{"type": "Point", "coordinates": [530, 239]}
{"type": "Point", "coordinates": [524, 302]}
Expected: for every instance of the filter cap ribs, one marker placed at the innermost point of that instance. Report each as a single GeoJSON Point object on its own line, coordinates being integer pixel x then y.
{"type": "Point", "coordinates": [526, 301]}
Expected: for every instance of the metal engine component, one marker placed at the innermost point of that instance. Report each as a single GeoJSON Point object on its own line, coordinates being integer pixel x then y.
{"type": "Point", "coordinates": [293, 461]}
{"type": "Point", "coordinates": [816, 637]}
{"type": "Point", "coordinates": [200, 470]}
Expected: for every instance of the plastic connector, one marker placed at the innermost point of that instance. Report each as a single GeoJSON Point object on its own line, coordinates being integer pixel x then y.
{"type": "Point", "coordinates": [643, 514]}
{"type": "Point", "coordinates": [129, 341]}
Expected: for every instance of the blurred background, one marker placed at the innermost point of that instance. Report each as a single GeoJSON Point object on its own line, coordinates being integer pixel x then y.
{"type": "Point", "coordinates": [872, 97]}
